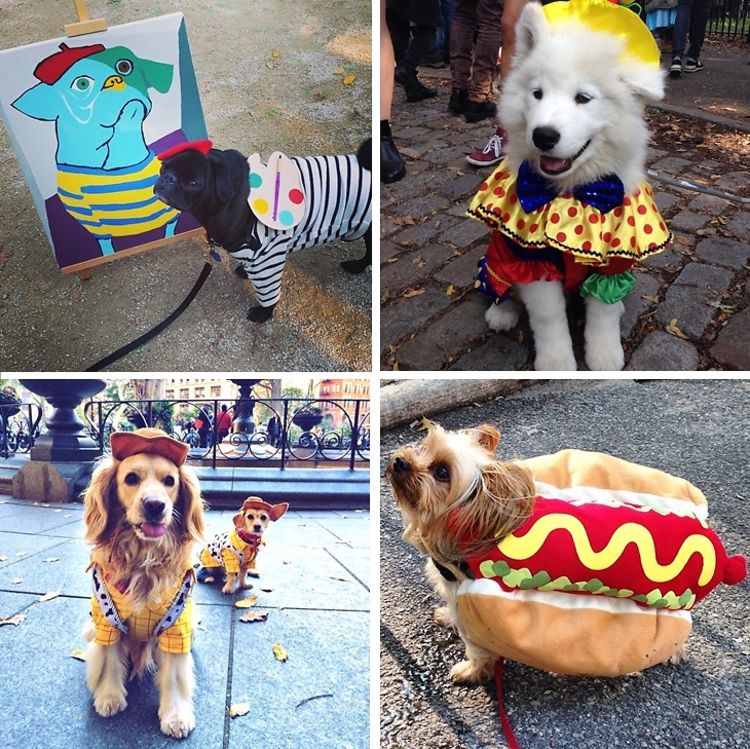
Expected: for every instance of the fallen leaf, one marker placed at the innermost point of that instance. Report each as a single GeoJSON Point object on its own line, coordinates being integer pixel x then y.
{"type": "Point", "coordinates": [347, 80]}
{"type": "Point", "coordinates": [246, 603]}
{"type": "Point", "coordinates": [14, 620]}
{"type": "Point", "coordinates": [22, 553]}
{"type": "Point", "coordinates": [16, 580]}
{"type": "Point", "coordinates": [49, 596]}
{"type": "Point", "coordinates": [647, 298]}
{"type": "Point", "coordinates": [674, 330]}
{"type": "Point", "coordinates": [51, 559]}
{"type": "Point", "coordinates": [78, 654]}
{"type": "Point", "coordinates": [239, 709]}
{"type": "Point", "coordinates": [280, 653]}
{"type": "Point", "coordinates": [411, 292]}
{"type": "Point", "coordinates": [451, 290]}
{"type": "Point", "coordinates": [2, 558]}
{"type": "Point", "coordinates": [276, 54]}
{"type": "Point", "coordinates": [339, 71]}
{"type": "Point", "coordinates": [266, 590]}
{"type": "Point", "coordinates": [254, 616]}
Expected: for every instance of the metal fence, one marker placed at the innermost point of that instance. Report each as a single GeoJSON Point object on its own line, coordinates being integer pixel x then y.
{"type": "Point", "coordinates": [729, 19]}
{"type": "Point", "coordinates": [257, 431]}
{"type": "Point", "coordinates": [19, 427]}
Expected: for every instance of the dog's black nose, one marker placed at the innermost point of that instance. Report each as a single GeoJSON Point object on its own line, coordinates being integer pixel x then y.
{"type": "Point", "coordinates": [153, 507]}
{"type": "Point", "coordinates": [257, 528]}
{"type": "Point", "coordinates": [545, 138]}
{"type": "Point", "coordinates": [400, 465]}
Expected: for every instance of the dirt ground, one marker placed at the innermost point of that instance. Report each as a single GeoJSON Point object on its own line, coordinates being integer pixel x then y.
{"type": "Point", "coordinates": [271, 78]}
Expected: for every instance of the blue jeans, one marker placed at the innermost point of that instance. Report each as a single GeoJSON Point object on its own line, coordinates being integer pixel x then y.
{"type": "Point", "coordinates": [443, 41]}
{"type": "Point", "coordinates": [692, 15]}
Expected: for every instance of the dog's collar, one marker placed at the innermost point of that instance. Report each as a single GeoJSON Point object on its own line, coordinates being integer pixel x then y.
{"type": "Point", "coordinates": [535, 190]}
{"type": "Point", "coordinates": [249, 538]}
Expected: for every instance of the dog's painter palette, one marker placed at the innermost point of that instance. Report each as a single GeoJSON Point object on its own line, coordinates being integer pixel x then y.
{"type": "Point", "coordinates": [276, 195]}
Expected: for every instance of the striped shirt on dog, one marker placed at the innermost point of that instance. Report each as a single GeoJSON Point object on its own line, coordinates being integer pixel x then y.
{"type": "Point", "coordinates": [114, 202]}
{"type": "Point", "coordinates": [338, 195]}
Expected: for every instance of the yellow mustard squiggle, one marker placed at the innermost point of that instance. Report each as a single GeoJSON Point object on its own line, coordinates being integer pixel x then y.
{"type": "Point", "coordinates": [526, 546]}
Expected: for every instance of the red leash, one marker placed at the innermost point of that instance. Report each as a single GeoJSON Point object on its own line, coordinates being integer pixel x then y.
{"type": "Point", "coordinates": [510, 737]}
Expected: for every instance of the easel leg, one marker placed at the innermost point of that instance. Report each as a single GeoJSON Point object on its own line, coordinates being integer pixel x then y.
{"type": "Point", "coordinates": [85, 274]}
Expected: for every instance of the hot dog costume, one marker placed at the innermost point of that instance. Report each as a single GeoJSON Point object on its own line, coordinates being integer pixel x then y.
{"type": "Point", "coordinates": [601, 578]}
{"type": "Point", "coordinates": [588, 238]}
{"type": "Point", "coordinates": [171, 619]}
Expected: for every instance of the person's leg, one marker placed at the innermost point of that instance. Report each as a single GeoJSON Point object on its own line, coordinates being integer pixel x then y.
{"type": "Point", "coordinates": [698, 23]}
{"type": "Point", "coordinates": [446, 7]}
{"type": "Point", "coordinates": [400, 31]}
{"type": "Point", "coordinates": [679, 34]}
{"type": "Point", "coordinates": [511, 13]}
{"type": "Point", "coordinates": [480, 104]}
{"type": "Point", "coordinates": [392, 167]}
{"type": "Point", "coordinates": [423, 37]}
{"type": "Point", "coordinates": [461, 51]}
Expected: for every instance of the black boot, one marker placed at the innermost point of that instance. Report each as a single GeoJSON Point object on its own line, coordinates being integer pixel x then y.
{"type": "Point", "coordinates": [458, 101]}
{"type": "Point", "coordinates": [480, 110]}
{"type": "Point", "coordinates": [414, 88]}
{"type": "Point", "coordinates": [392, 167]}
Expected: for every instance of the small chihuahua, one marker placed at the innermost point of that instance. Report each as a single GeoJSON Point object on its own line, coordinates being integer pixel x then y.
{"type": "Point", "coordinates": [577, 562]}
{"type": "Point", "coordinates": [235, 551]}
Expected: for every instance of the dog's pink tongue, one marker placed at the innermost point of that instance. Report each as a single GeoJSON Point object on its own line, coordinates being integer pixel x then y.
{"type": "Point", "coordinates": [553, 165]}
{"type": "Point", "coordinates": [153, 530]}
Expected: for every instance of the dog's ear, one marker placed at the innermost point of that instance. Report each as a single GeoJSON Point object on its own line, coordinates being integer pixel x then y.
{"type": "Point", "coordinates": [190, 504]}
{"type": "Point", "coordinates": [229, 170]}
{"type": "Point", "coordinates": [100, 505]}
{"type": "Point", "coordinates": [278, 510]}
{"type": "Point", "coordinates": [487, 436]}
{"type": "Point", "coordinates": [531, 27]}
{"type": "Point", "coordinates": [647, 81]}
{"type": "Point", "coordinates": [239, 518]}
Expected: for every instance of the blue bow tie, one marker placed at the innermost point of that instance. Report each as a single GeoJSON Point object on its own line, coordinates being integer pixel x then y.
{"type": "Point", "coordinates": [534, 191]}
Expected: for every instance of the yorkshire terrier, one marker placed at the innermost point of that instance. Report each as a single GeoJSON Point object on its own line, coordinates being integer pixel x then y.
{"type": "Point", "coordinates": [577, 562]}
{"type": "Point", "coordinates": [449, 487]}
{"type": "Point", "coordinates": [235, 552]}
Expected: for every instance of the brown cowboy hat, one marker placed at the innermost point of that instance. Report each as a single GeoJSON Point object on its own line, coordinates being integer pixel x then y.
{"type": "Point", "coordinates": [148, 440]}
{"type": "Point", "coordinates": [256, 503]}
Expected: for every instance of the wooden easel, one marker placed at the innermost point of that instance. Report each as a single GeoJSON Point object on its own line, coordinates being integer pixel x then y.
{"type": "Point", "coordinates": [88, 25]}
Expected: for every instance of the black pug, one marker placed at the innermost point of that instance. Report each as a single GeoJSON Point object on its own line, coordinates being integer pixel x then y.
{"type": "Point", "coordinates": [213, 186]}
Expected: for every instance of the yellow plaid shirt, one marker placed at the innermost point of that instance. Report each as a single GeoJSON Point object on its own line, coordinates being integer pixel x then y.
{"type": "Point", "coordinates": [228, 550]}
{"type": "Point", "coordinates": [141, 624]}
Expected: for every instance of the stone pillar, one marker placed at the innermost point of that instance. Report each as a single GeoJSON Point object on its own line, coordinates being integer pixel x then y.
{"type": "Point", "coordinates": [62, 457]}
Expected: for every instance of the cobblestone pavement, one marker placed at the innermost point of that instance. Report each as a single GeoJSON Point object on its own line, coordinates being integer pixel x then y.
{"type": "Point", "coordinates": [432, 319]}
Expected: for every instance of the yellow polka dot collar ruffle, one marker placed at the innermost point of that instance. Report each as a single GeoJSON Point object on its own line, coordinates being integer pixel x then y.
{"type": "Point", "coordinates": [635, 229]}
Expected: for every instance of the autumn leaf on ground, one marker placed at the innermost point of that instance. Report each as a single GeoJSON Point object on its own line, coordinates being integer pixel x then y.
{"type": "Point", "coordinates": [674, 330]}
{"type": "Point", "coordinates": [246, 603]}
{"type": "Point", "coordinates": [347, 80]}
{"type": "Point", "coordinates": [14, 620]}
{"type": "Point", "coordinates": [647, 298]}
{"type": "Point", "coordinates": [49, 596]}
{"type": "Point", "coordinates": [254, 616]}
{"type": "Point", "coordinates": [451, 290]}
{"type": "Point", "coordinates": [411, 292]}
{"type": "Point", "coordinates": [51, 559]}
{"type": "Point", "coordinates": [16, 580]}
{"type": "Point", "coordinates": [280, 652]}
{"type": "Point", "coordinates": [78, 654]}
{"type": "Point", "coordinates": [276, 54]}
{"type": "Point", "coordinates": [239, 709]}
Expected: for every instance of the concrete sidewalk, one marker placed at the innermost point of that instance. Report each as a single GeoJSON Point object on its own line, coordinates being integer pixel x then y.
{"type": "Point", "coordinates": [314, 583]}
{"type": "Point", "coordinates": [691, 428]}
{"type": "Point", "coordinates": [294, 102]}
{"type": "Point", "coordinates": [431, 317]}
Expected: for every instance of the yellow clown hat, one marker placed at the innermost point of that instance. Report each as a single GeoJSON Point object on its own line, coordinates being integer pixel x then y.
{"type": "Point", "coordinates": [606, 17]}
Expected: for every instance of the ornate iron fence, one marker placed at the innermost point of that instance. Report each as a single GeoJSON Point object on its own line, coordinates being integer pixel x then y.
{"type": "Point", "coordinates": [19, 427]}
{"type": "Point", "coordinates": [729, 19]}
{"type": "Point", "coordinates": [256, 430]}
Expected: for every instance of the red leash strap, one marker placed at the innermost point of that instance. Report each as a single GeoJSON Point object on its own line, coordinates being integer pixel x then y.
{"type": "Point", "coordinates": [510, 737]}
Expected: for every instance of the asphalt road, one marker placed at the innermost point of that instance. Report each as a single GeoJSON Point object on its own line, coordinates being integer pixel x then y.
{"type": "Point", "coordinates": [697, 429]}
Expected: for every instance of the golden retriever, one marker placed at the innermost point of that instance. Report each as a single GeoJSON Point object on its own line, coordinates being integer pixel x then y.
{"type": "Point", "coordinates": [143, 512]}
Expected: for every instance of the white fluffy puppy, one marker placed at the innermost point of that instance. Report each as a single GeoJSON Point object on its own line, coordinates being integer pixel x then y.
{"type": "Point", "coordinates": [573, 111]}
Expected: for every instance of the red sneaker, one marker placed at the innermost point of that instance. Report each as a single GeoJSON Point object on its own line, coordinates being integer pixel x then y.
{"type": "Point", "coordinates": [492, 153]}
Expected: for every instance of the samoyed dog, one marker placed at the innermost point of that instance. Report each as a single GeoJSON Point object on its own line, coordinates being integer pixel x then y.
{"type": "Point", "coordinates": [572, 108]}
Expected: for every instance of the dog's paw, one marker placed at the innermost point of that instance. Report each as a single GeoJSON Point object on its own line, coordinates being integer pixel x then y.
{"type": "Point", "coordinates": [679, 656]}
{"type": "Point", "coordinates": [110, 704]}
{"type": "Point", "coordinates": [355, 266]}
{"type": "Point", "coordinates": [228, 588]}
{"type": "Point", "coordinates": [471, 672]}
{"type": "Point", "coordinates": [442, 616]}
{"type": "Point", "coordinates": [605, 358]}
{"type": "Point", "coordinates": [246, 585]}
{"type": "Point", "coordinates": [259, 314]}
{"type": "Point", "coordinates": [555, 361]}
{"type": "Point", "coordinates": [503, 316]}
{"type": "Point", "coordinates": [178, 724]}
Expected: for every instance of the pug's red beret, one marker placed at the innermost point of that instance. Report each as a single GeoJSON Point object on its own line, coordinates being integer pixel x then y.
{"type": "Point", "coordinates": [52, 68]}
{"type": "Point", "coordinates": [202, 146]}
